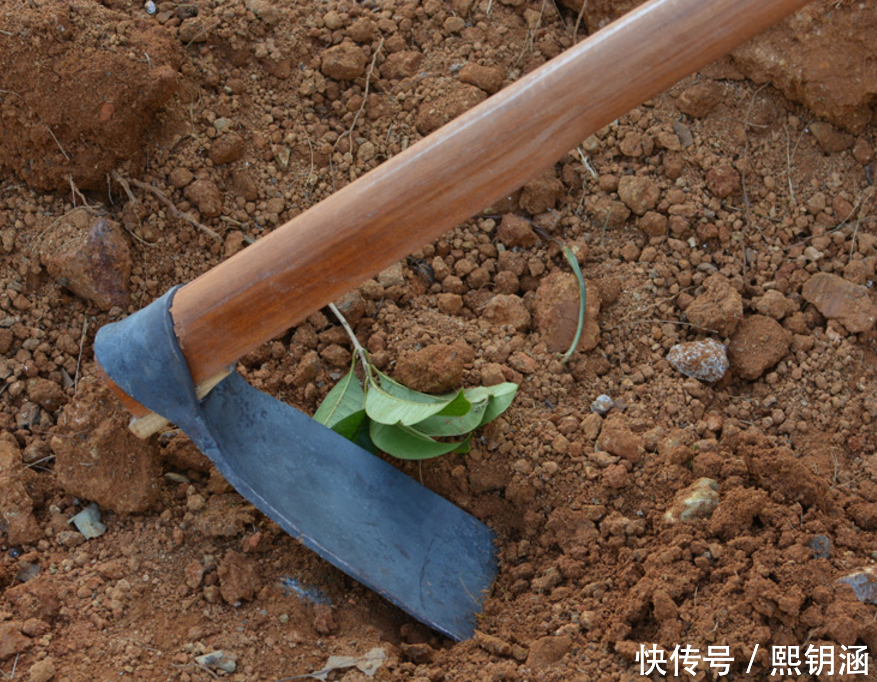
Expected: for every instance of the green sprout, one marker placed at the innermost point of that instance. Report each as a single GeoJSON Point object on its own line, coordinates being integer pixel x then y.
{"type": "Point", "coordinates": [382, 414]}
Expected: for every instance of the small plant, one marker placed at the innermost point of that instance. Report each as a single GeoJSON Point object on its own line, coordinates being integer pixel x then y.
{"type": "Point", "coordinates": [382, 414]}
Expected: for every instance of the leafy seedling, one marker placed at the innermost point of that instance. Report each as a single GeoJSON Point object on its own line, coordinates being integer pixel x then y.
{"type": "Point", "coordinates": [382, 414]}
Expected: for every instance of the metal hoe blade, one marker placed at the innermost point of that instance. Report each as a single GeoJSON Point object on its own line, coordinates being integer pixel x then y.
{"type": "Point", "coordinates": [358, 512]}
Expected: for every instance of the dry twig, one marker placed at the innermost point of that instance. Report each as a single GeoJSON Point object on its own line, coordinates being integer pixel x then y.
{"type": "Point", "coordinates": [743, 183]}
{"type": "Point", "coordinates": [162, 197]}
{"type": "Point", "coordinates": [74, 191]}
{"type": "Point", "coordinates": [125, 186]}
{"type": "Point", "coordinates": [746, 124]}
{"type": "Point", "coordinates": [11, 676]}
{"type": "Point", "coordinates": [357, 346]}
{"type": "Point", "coordinates": [79, 358]}
{"type": "Point", "coordinates": [867, 192]}
{"type": "Point", "coordinates": [575, 32]}
{"type": "Point", "coordinates": [368, 80]}
{"type": "Point", "coordinates": [57, 143]}
{"type": "Point", "coordinates": [790, 154]}
{"type": "Point", "coordinates": [531, 36]}
{"type": "Point", "coordinates": [861, 211]}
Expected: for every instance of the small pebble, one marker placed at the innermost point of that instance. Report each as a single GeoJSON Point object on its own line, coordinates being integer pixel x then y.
{"type": "Point", "coordinates": [864, 584]}
{"type": "Point", "coordinates": [697, 501]}
{"type": "Point", "coordinates": [821, 546]}
{"type": "Point", "coordinates": [219, 659]}
{"type": "Point", "coordinates": [88, 522]}
{"type": "Point", "coordinates": [221, 124]}
{"type": "Point", "coordinates": [602, 404]}
{"type": "Point", "coordinates": [705, 360]}
{"type": "Point", "coordinates": [149, 7]}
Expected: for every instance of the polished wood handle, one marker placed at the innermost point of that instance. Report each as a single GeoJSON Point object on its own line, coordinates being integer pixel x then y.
{"type": "Point", "coordinates": [444, 179]}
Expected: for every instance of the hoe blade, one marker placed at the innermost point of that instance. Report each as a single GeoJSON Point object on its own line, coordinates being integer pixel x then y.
{"type": "Point", "coordinates": [358, 512]}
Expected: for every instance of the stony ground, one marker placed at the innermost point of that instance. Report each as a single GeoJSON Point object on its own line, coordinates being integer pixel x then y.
{"type": "Point", "coordinates": [718, 496]}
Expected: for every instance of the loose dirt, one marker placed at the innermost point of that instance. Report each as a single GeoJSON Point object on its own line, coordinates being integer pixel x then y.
{"type": "Point", "coordinates": [737, 207]}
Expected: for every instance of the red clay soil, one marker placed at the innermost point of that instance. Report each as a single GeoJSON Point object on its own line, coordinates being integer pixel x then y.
{"type": "Point", "coordinates": [738, 207]}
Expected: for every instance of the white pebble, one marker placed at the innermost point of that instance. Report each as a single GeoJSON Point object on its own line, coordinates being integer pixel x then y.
{"type": "Point", "coordinates": [704, 360]}
{"type": "Point", "coordinates": [602, 404]}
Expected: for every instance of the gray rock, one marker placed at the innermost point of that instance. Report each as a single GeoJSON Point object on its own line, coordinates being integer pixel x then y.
{"type": "Point", "coordinates": [821, 546]}
{"type": "Point", "coordinates": [864, 584]}
{"type": "Point", "coordinates": [602, 404]}
{"type": "Point", "coordinates": [88, 522]}
{"type": "Point", "coordinates": [222, 660]}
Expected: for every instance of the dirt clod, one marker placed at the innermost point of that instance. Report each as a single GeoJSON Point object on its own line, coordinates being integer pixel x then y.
{"type": "Point", "coordinates": [758, 344]}
{"type": "Point", "coordinates": [343, 62]}
{"type": "Point", "coordinates": [547, 650]}
{"type": "Point", "coordinates": [70, 129]}
{"type": "Point", "coordinates": [838, 299]}
{"type": "Point", "coordinates": [640, 194]}
{"type": "Point", "coordinates": [697, 501]}
{"type": "Point", "coordinates": [16, 512]}
{"type": "Point", "coordinates": [700, 99]}
{"type": "Point", "coordinates": [541, 193]}
{"type": "Point", "coordinates": [90, 257]}
{"type": "Point", "coordinates": [98, 458]}
{"type": "Point", "coordinates": [12, 641]}
{"type": "Point", "coordinates": [723, 181]}
{"type": "Point", "coordinates": [206, 196]}
{"type": "Point", "coordinates": [507, 309]}
{"type": "Point", "coordinates": [487, 78]}
{"type": "Point", "coordinates": [238, 577]}
{"type": "Point", "coordinates": [617, 439]}
{"type": "Point", "coordinates": [556, 312]}
{"type": "Point", "coordinates": [449, 103]}
{"type": "Point", "coordinates": [515, 231]}
{"type": "Point", "coordinates": [227, 149]}
{"type": "Point", "coordinates": [434, 369]}
{"type": "Point", "coordinates": [718, 309]}
{"type": "Point", "coordinates": [42, 671]}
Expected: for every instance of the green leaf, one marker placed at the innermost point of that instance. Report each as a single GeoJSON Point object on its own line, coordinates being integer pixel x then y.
{"type": "Point", "coordinates": [389, 402]}
{"type": "Point", "coordinates": [499, 397]}
{"type": "Point", "coordinates": [344, 400]}
{"type": "Point", "coordinates": [458, 406]}
{"type": "Point", "coordinates": [354, 428]}
{"type": "Point", "coordinates": [441, 425]}
{"type": "Point", "coordinates": [350, 426]}
{"type": "Point", "coordinates": [407, 443]}
{"type": "Point", "coordinates": [360, 435]}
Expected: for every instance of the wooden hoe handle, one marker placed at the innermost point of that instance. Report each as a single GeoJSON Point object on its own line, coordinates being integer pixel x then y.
{"type": "Point", "coordinates": [485, 154]}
